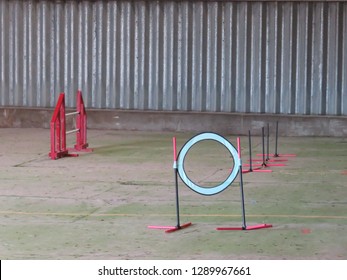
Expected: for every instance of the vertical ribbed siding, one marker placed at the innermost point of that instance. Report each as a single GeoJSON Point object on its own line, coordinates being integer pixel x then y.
{"type": "Point", "coordinates": [343, 58]}
{"type": "Point", "coordinates": [260, 57]}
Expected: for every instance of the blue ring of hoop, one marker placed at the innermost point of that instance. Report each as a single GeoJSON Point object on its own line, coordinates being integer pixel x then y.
{"type": "Point", "coordinates": [208, 190]}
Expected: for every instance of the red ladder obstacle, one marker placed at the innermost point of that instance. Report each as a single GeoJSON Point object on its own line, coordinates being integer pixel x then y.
{"type": "Point", "coordinates": [58, 128]}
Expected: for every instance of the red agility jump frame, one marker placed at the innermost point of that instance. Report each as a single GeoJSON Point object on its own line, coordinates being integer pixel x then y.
{"type": "Point", "coordinates": [58, 128]}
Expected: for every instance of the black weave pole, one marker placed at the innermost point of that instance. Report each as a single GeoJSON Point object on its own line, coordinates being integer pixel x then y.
{"type": "Point", "coordinates": [276, 152]}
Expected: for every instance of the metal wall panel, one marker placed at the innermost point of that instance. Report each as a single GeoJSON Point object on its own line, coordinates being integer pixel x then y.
{"type": "Point", "coordinates": [260, 57]}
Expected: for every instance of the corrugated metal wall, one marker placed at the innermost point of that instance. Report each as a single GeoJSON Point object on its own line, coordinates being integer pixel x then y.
{"type": "Point", "coordinates": [268, 57]}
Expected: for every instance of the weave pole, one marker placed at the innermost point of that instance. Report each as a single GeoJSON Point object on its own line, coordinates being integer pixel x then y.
{"type": "Point", "coordinates": [265, 160]}
{"type": "Point", "coordinates": [276, 154]}
{"type": "Point", "coordinates": [259, 166]}
{"type": "Point", "coordinates": [241, 186]}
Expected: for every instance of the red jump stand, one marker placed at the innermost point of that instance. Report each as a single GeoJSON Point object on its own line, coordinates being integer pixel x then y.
{"type": "Point", "coordinates": [58, 129]}
{"type": "Point", "coordinates": [169, 229]}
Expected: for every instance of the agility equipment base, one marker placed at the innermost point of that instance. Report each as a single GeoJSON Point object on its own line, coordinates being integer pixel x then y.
{"type": "Point", "coordinates": [169, 229]}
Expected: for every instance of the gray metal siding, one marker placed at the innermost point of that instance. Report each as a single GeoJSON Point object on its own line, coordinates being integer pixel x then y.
{"type": "Point", "coordinates": [259, 57]}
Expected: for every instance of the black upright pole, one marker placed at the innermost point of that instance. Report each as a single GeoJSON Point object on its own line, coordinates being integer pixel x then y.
{"type": "Point", "coordinates": [242, 201]}
{"type": "Point", "coordinates": [250, 150]}
{"type": "Point", "coordinates": [276, 153]}
{"type": "Point", "coordinates": [176, 181]}
{"type": "Point", "coordinates": [267, 142]}
{"type": "Point", "coordinates": [177, 199]}
{"type": "Point", "coordinates": [263, 144]}
{"type": "Point", "coordinates": [244, 226]}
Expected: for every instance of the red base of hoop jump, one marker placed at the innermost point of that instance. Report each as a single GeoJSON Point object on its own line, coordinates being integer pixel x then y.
{"type": "Point", "coordinates": [169, 229]}
{"type": "Point", "coordinates": [58, 129]}
{"type": "Point", "coordinates": [260, 226]}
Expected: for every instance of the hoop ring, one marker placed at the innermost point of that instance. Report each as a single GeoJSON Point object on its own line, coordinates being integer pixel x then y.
{"type": "Point", "coordinates": [201, 189]}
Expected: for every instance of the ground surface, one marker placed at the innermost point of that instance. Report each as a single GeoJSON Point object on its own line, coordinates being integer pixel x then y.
{"type": "Point", "coordinates": [98, 205]}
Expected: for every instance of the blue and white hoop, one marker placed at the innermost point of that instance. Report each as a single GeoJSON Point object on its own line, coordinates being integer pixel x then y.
{"type": "Point", "coordinates": [206, 190]}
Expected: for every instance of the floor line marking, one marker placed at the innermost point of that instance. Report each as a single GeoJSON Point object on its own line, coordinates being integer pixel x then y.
{"type": "Point", "coordinates": [168, 215]}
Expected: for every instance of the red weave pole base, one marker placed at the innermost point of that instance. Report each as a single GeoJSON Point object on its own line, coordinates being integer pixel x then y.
{"type": "Point", "coordinates": [258, 169]}
{"type": "Point", "coordinates": [278, 155]}
{"type": "Point", "coordinates": [344, 172]}
{"type": "Point", "coordinates": [270, 160]}
{"type": "Point", "coordinates": [266, 164]}
{"type": "Point", "coordinates": [275, 164]}
{"type": "Point", "coordinates": [260, 226]}
{"type": "Point", "coordinates": [169, 229]}
{"type": "Point", "coordinates": [253, 164]}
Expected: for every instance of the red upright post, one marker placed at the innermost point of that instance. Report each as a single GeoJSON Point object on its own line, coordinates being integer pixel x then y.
{"type": "Point", "coordinates": [78, 121]}
{"type": "Point", "coordinates": [81, 125]}
{"type": "Point", "coordinates": [62, 129]}
{"type": "Point", "coordinates": [58, 137]}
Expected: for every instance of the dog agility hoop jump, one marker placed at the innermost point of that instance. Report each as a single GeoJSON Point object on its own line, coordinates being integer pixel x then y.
{"type": "Point", "coordinates": [58, 128]}
{"type": "Point", "coordinates": [203, 190]}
